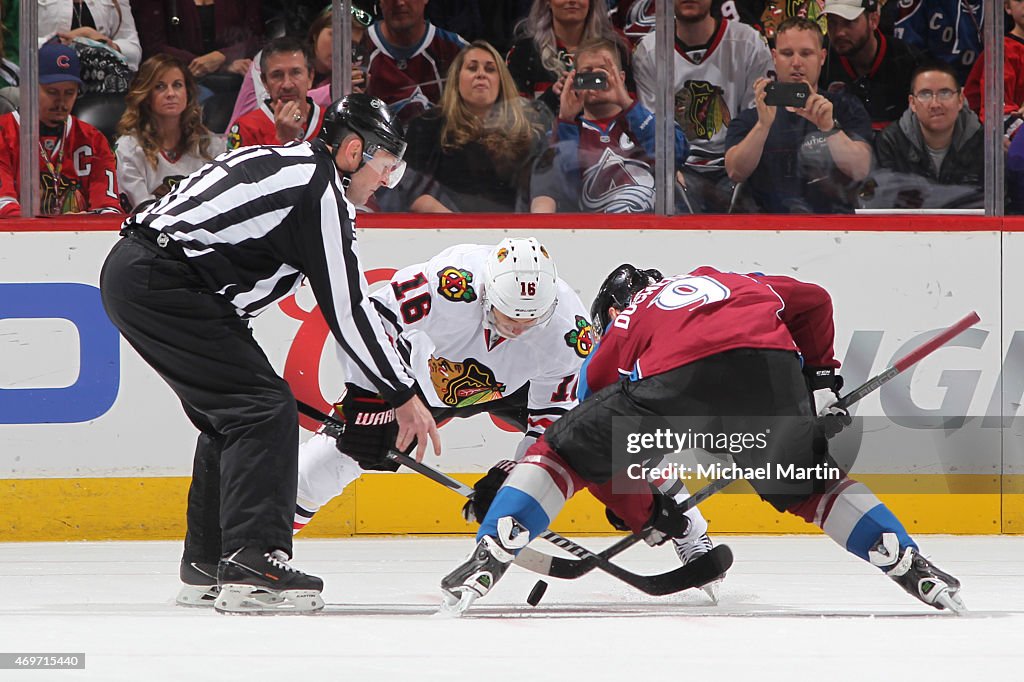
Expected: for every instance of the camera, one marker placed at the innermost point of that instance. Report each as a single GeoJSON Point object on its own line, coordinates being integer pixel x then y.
{"type": "Point", "coordinates": [590, 80]}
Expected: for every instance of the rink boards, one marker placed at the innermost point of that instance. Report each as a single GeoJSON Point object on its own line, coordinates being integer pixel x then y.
{"type": "Point", "coordinates": [93, 445]}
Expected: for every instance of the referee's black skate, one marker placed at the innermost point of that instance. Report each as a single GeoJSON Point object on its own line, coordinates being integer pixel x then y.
{"type": "Point", "coordinates": [484, 567]}
{"type": "Point", "coordinates": [199, 586]}
{"type": "Point", "coordinates": [252, 581]}
{"type": "Point", "coordinates": [917, 575]}
{"type": "Point", "coordinates": [198, 583]}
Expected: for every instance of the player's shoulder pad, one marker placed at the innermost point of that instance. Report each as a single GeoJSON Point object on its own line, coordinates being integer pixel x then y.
{"type": "Point", "coordinates": [456, 274]}
{"type": "Point", "coordinates": [571, 323]}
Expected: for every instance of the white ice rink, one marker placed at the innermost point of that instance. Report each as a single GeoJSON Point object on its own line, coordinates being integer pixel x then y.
{"type": "Point", "coordinates": [792, 608]}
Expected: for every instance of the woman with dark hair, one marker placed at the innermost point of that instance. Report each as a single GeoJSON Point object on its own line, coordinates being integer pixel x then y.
{"type": "Point", "coordinates": [547, 40]}
{"type": "Point", "coordinates": [163, 138]}
{"type": "Point", "coordinates": [474, 151]}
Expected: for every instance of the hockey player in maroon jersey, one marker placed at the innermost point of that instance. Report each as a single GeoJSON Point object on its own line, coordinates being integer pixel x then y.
{"type": "Point", "coordinates": [77, 172]}
{"type": "Point", "coordinates": [737, 354]}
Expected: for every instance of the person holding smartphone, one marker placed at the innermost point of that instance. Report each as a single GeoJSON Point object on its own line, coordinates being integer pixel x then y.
{"type": "Point", "coordinates": [800, 150]}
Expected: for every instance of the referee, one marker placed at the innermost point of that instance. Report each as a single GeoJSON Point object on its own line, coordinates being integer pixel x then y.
{"type": "Point", "coordinates": [232, 239]}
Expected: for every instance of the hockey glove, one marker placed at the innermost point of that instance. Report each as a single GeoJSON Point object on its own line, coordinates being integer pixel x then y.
{"type": "Point", "coordinates": [825, 385]}
{"type": "Point", "coordinates": [485, 489]}
{"type": "Point", "coordinates": [667, 521]}
{"type": "Point", "coordinates": [370, 429]}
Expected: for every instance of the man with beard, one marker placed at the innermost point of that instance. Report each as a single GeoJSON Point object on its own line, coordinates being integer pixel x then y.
{"type": "Point", "coordinates": [76, 167]}
{"type": "Point", "coordinates": [716, 64]}
{"type": "Point", "coordinates": [865, 62]}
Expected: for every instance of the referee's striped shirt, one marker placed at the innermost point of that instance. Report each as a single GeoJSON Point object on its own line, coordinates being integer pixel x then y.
{"type": "Point", "coordinates": [255, 220]}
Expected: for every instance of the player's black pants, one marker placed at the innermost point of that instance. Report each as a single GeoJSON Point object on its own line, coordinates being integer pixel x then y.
{"type": "Point", "coordinates": [246, 462]}
{"type": "Point", "coordinates": [743, 391]}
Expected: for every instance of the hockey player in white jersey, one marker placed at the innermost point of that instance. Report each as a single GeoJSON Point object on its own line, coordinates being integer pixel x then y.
{"type": "Point", "coordinates": [484, 329]}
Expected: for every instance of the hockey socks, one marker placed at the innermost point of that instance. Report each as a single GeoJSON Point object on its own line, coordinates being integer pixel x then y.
{"type": "Point", "coordinates": [853, 516]}
{"type": "Point", "coordinates": [534, 492]}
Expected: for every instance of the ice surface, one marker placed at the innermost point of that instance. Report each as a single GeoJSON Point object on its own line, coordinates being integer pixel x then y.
{"type": "Point", "coordinates": [793, 608]}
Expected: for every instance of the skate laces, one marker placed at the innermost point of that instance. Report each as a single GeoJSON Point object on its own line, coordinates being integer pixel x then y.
{"type": "Point", "coordinates": [279, 559]}
{"type": "Point", "coordinates": [688, 550]}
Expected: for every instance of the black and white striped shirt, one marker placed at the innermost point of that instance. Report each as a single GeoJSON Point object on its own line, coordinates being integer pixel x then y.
{"type": "Point", "coordinates": [255, 220]}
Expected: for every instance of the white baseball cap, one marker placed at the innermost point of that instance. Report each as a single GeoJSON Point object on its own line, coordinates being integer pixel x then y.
{"type": "Point", "coordinates": [849, 9]}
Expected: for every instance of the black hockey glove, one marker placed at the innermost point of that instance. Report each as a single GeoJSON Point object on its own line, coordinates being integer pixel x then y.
{"type": "Point", "coordinates": [370, 429]}
{"type": "Point", "coordinates": [667, 521]}
{"type": "Point", "coordinates": [485, 489]}
{"type": "Point", "coordinates": [824, 385]}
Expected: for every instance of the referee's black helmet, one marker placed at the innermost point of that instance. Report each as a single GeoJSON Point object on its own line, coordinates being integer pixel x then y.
{"type": "Point", "coordinates": [367, 117]}
{"type": "Point", "coordinates": [618, 289]}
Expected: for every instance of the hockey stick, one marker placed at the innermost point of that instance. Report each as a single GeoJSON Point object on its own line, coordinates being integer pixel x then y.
{"type": "Point", "coordinates": [561, 567]}
{"type": "Point", "coordinates": [908, 360]}
{"type": "Point", "coordinates": [681, 578]}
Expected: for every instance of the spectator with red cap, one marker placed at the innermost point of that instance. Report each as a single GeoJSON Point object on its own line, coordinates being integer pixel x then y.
{"type": "Point", "coordinates": [76, 167]}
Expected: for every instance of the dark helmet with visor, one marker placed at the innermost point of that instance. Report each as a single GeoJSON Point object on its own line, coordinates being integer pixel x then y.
{"type": "Point", "coordinates": [370, 119]}
{"type": "Point", "coordinates": [618, 289]}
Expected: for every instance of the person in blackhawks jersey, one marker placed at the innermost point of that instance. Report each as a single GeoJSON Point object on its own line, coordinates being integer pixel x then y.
{"type": "Point", "coordinates": [484, 329]}
{"type": "Point", "coordinates": [738, 354]}
{"type": "Point", "coordinates": [77, 171]}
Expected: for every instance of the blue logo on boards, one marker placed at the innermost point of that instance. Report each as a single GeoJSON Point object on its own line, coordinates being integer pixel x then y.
{"type": "Point", "coordinates": [99, 373]}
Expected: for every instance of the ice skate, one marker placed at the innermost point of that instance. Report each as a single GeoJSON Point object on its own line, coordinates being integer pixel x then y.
{"type": "Point", "coordinates": [484, 567]}
{"type": "Point", "coordinates": [199, 584]}
{"type": "Point", "coordinates": [255, 582]}
{"type": "Point", "coordinates": [689, 550]}
{"type": "Point", "coordinates": [917, 575]}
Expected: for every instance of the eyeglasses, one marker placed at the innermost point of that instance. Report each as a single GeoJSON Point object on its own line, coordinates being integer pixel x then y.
{"type": "Point", "coordinates": [944, 95]}
{"type": "Point", "coordinates": [362, 17]}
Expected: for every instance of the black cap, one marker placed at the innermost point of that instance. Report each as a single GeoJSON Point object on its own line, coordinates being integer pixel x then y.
{"type": "Point", "coordinates": [367, 117]}
{"type": "Point", "coordinates": [618, 289]}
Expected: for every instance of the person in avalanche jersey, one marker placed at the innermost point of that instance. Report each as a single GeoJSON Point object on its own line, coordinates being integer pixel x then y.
{"type": "Point", "coordinates": [948, 30]}
{"type": "Point", "coordinates": [724, 349]}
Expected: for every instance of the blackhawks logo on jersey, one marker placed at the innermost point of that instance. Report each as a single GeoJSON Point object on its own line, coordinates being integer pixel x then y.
{"type": "Point", "coordinates": [455, 284]}
{"type": "Point", "coordinates": [234, 138]}
{"type": "Point", "coordinates": [581, 338]}
{"type": "Point", "coordinates": [461, 384]}
{"type": "Point", "coordinates": [701, 110]}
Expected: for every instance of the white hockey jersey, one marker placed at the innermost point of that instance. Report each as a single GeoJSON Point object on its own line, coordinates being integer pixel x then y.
{"type": "Point", "coordinates": [141, 182]}
{"type": "Point", "coordinates": [713, 83]}
{"type": "Point", "coordinates": [435, 312]}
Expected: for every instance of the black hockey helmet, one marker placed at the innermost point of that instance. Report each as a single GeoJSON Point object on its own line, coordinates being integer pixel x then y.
{"type": "Point", "coordinates": [367, 117]}
{"type": "Point", "coordinates": [618, 289]}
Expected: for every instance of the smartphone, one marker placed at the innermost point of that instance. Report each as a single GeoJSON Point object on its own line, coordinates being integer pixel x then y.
{"type": "Point", "coordinates": [590, 80]}
{"type": "Point", "coordinates": [787, 94]}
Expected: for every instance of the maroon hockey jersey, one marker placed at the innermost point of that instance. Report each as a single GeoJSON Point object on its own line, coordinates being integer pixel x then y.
{"type": "Point", "coordinates": [689, 317]}
{"type": "Point", "coordinates": [410, 80]}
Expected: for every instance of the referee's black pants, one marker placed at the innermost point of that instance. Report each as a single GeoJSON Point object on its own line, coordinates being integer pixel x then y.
{"type": "Point", "coordinates": [743, 391]}
{"type": "Point", "coordinates": [246, 463]}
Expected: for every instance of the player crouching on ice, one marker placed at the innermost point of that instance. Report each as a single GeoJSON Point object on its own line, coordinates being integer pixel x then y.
{"type": "Point", "coordinates": [725, 350]}
{"type": "Point", "coordinates": [484, 329]}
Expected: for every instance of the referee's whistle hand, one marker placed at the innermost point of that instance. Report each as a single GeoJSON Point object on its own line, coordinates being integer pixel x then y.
{"type": "Point", "coordinates": [415, 423]}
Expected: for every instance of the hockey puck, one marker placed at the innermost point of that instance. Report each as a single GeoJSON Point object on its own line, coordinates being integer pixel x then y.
{"type": "Point", "coordinates": [537, 593]}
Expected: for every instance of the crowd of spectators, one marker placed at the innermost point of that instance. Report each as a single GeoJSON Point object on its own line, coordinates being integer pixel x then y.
{"type": "Point", "coordinates": [531, 105]}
